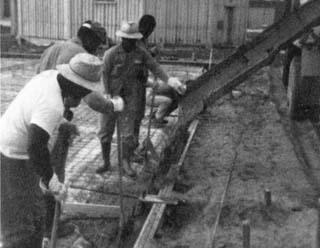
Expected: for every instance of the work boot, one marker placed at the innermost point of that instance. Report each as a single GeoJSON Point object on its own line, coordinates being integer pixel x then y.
{"type": "Point", "coordinates": [127, 169]}
{"type": "Point", "coordinates": [105, 147]}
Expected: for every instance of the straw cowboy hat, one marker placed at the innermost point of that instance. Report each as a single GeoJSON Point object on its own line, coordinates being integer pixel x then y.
{"type": "Point", "coordinates": [129, 30]}
{"type": "Point", "coordinates": [83, 69]}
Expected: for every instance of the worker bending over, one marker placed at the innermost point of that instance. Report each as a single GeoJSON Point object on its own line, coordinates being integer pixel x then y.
{"type": "Point", "coordinates": [90, 37]}
{"type": "Point", "coordinates": [27, 133]}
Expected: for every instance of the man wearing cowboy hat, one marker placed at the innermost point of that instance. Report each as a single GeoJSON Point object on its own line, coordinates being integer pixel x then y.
{"type": "Point", "coordinates": [90, 36]}
{"type": "Point", "coordinates": [122, 64]}
{"type": "Point", "coordinates": [27, 134]}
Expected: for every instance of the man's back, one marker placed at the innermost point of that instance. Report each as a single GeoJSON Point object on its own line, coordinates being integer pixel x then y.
{"type": "Point", "coordinates": [36, 103]}
{"type": "Point", "coordinates": [59, 53]}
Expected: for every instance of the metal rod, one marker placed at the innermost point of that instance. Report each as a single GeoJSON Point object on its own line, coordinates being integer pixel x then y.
{"type": "Point", "coordinates": [317, 245]}
{"type": "Point", "coordinates": [53, 240]}
{"type": "Point", "coordinates": [105, 192]}
{"type": "Point", "coordinates": [151, 108]}
{"type": "Point", "coordinates": [210, 59]}
{"type": "Point", "coordinates": [211, 240]}
{"type": "Point", "coordinates": [147, 143]}
{"type": "Point", "coordinates": [122, 213]}
{"type": "Point", "coordinates": [246, 233]}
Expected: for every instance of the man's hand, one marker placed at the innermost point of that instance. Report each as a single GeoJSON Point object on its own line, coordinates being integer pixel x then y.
{"type": "Point", "coordinates": [177, 85]}
{"type": "Point", "coordinates": [118, 103]}
{"type": "Point", "coordinates": [54, 187]}
{"type": "Point", "coordinates": [69, 130]}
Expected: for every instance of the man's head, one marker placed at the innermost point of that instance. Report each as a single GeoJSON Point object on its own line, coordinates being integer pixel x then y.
{"type": "Point", "coordinates": [92, 35]}
{"type": "Point", "coordinates": [129, 33]}
{"type": "Point", "coordinates": [147, 24]}
{"type": "Point", "coordinates": [78, 78]}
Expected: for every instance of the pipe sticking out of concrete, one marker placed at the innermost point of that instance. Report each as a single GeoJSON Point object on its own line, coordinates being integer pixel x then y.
{"type": "Point", "coordinates": [246, 233]}
{"type": "Point", "coordinates": [267, 197]}
{"type": "Point", "coordinates": [317, 244]}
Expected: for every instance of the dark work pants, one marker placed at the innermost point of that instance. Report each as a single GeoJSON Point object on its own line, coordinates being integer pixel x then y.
{"type": "Point", "coordinates": [129, 131]}
{"type": "Point", "coordinates": [21, 205]}
{"type": "Point", "coordinates": [130, 120]}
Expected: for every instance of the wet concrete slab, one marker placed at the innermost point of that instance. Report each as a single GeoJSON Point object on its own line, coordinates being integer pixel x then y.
{"type": "Point", "coordinates": [84, 155]}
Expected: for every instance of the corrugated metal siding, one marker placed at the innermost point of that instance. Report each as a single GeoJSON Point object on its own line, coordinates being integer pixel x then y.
{"type": "Point", "coordinates": [195, 22]}
{"type": "Point", "coordinates": [106, 14]}
{"type": "Point", "coordinates": [239, 25]}
{"type": "Point", "coordinates": [81, 11]}
{"type": "Point", "coordinates": [259, 17]}
{"type": "Point", "coordinates": [41, 19]}
{"type": "Point", "coordinates": [185, 22]}
{"type": "Point", "coordinates": [46, 19]}
{"type": "Point", "coordinates": [179, 21]}
{"type": "Point", "coordinates": [130, 9]}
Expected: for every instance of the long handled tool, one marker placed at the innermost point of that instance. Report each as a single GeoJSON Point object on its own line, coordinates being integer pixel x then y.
{"type": "Point", "coordinates": [66, 133]}
{"type": "Point", "coordinates": [57, 210]}
{"type": "Point", "coordinates": [122, 213]}
{"type": "Point", "coordinates": [148, 146]}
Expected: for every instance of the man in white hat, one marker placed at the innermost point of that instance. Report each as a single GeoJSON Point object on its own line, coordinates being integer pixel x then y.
{"type": "Point", "coordinates": [122, 65]}
{"type": "Point", "coordinates": [27, 134]}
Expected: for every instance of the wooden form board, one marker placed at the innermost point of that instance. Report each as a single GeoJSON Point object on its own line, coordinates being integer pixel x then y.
{"type": "Point", "coordinates": [91, 210]}
{"type": "Point", "coordinates": [248, 59]}
{"type": "Point", "coordinates": [152, 222]}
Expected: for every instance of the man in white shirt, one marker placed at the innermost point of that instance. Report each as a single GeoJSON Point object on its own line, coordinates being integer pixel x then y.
{"type": "Point", "coordinates": [27, 132]}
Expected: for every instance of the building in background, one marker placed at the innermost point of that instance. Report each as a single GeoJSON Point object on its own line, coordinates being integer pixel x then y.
{"type": "Point", "coordinates": [180, 22]}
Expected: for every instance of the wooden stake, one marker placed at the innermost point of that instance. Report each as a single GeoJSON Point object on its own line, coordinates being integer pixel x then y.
{"type": "Point", "coordinates": [318, 226]}
{"type": "Point", "coordinates": [246, 233]}
{"type": "Point", "coordinates": [267, 197]}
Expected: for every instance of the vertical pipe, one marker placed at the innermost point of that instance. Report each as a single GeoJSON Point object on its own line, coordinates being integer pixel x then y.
{"type": "Point", "coordinates": [210, 58]}
{"type": "Point", "coordinates": [267, 197]}
{"type": "Point", "coordinates": [122, 213]}
{"type": "Point", "coordinates": [317, 245]}
{"type": "Point", "coordinates": [246, 233]}
{"type": "Point", "coordinates": [57, 211]}
{"type": "Point", "coordinates": [14, 17]}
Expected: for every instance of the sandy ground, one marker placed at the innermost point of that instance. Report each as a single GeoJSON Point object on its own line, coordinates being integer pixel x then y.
{"type": "Point", "coordinates": [244, 137]}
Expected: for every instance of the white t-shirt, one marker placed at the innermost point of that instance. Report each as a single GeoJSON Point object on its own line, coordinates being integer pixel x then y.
{"type": "Point", "coordinates": [39, 102]}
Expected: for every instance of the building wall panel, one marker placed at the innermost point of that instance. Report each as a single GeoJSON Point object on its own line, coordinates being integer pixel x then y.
{"type": "Point", "coordinates": [106, 14]}
{"type": "Point", "coordinates": [185, 22]}
{"type": "Point", "coordinates": [259, 17]}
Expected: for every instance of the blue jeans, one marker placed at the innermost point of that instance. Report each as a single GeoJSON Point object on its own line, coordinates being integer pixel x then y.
{"type": "Point", "coordinates": [21, 205]}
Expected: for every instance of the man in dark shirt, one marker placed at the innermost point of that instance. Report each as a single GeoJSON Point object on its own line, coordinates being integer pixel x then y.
{"type": "Point", "coordinates": [122, 65]}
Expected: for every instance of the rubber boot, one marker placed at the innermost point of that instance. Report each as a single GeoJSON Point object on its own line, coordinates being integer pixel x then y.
{"type": "Point", "coordinates": [126, 166]}
{"type": "Point", "coordinates": [105, 147]}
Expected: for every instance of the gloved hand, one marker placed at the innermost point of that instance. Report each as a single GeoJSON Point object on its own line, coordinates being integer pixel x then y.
{"type": "Point", "coordinates": [118, 103]}
{"type": "Point", "coordinates": [69, 131]}
{"type": "Point", "coordinates": [56, 188]}
{"type": "Point", "coordinates": [177, 85]}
